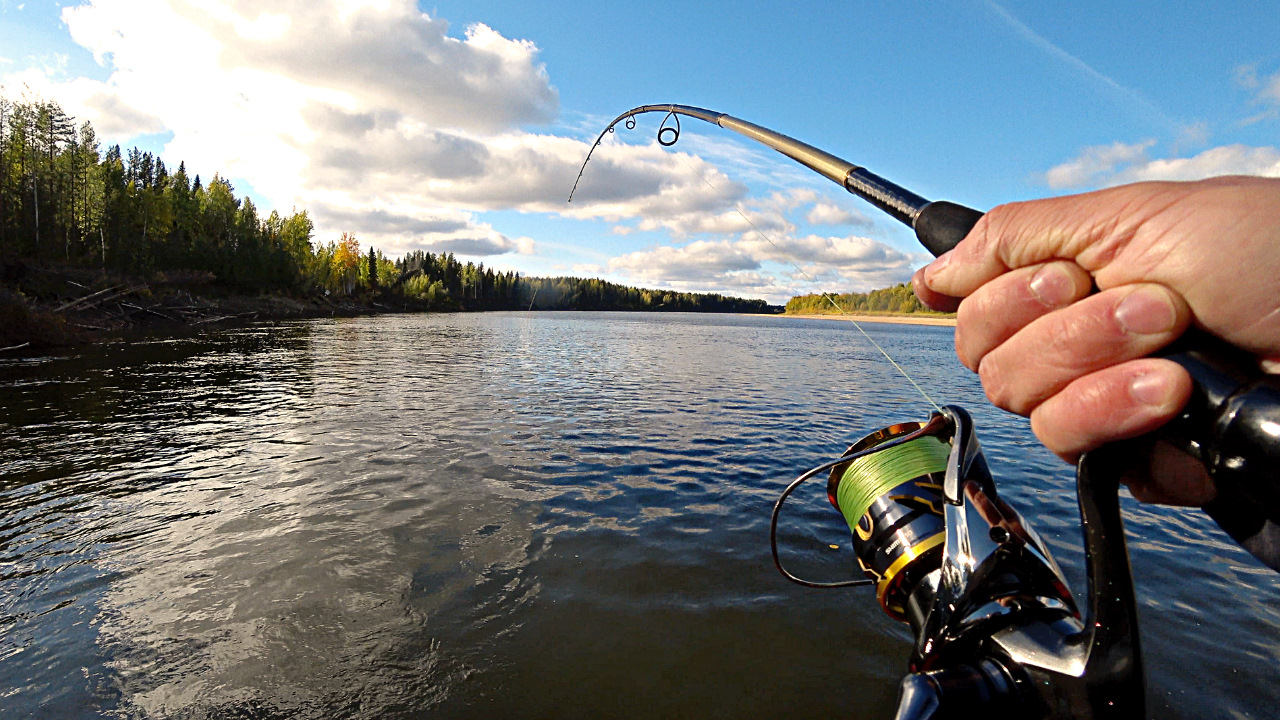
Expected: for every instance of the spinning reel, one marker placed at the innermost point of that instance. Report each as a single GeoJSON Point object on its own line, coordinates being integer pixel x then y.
{"type": "Point", "coordinates": [996, 627]}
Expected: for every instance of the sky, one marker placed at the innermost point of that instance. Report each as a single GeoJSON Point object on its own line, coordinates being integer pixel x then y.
{"type": "Point", "coordinates": [461, 126]}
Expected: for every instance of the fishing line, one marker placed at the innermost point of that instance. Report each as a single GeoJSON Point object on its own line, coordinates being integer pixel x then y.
{"type": "Point", "coordinates": [873, 475]}
{"type": "Point", "coordinates": [812, 281]}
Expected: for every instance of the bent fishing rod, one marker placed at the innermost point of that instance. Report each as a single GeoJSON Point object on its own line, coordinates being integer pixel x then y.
{"type": "Point", "coordinates": [996, 627]}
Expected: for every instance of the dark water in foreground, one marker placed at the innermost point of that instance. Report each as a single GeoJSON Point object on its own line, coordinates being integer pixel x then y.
{"type": "Point", "coordinates": [510, 515]}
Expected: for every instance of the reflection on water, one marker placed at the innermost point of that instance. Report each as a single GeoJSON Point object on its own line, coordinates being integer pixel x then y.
{"type": "Point", "coordinates": [533, 515]}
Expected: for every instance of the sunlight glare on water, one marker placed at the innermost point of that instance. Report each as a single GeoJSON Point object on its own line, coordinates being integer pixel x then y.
{"type": "Point", "coordinates": [549, 515]}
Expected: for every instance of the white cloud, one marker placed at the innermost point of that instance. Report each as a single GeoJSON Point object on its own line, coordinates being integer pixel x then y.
{"type": "Point", "coordinates": [1119, 163]}
{"type": "Point", "coordinates": [379, 121]}
{"type": "Point", "coordinates": [86, 99]}
{"type": "Point", "coordinates": [404, 229]}
{"type": "Point", "coordinates": [825, 213]}
{"type": "Point", "coordinates": [1096, 161]}
{"type": "Point", "coordinates": [766, 215]}
{"type": "Point", "coordinates": [491, 244]}
{"type": "Point", "coordinates": [1270, 92]}
{"type": "Point", "coordinates": [1224, 160]}
{"type": "Point", "coordinates": [381, 54]}
{"type": "Point", "coordinates": [367, 106]}
{"type": "Point", "coordinates": [848, 254]}
{"type": "Point", "coordinates": [698, 259]}
{"type": "Point", "coordinates": [1266, 92]}
{"type": "Point", "coordinates": [820, 263]}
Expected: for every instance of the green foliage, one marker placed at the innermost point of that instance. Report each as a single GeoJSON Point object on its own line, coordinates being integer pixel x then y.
{"type": "Point", "coordinates": [897, 300]}
{"type": "Point", "coordinates": [62, 198]}
{"type": "Point", "coordinates": [442, 281]}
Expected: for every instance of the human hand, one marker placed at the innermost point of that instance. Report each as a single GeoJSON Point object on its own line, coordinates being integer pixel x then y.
{"type": "Point", "coordinates": [1163, 256]}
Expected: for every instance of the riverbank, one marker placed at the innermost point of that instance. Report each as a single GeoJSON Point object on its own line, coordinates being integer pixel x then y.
{"type": "Point", "coordinates": [45, 307]}
{"type": "Point", "coordinates": [905, 319]}
{"type": "Point", "coordinates": [45, 304]}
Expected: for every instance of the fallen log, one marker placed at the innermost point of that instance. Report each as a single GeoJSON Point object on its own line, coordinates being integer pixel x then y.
{"type": "Point", "coordinates": [225, 317]}
{"type": "Point", "coordinates": [86, 298]}
{"type": "Point", "coordinates": [138, 308]}
{"type": "Point", "coordinates": [100, 297]}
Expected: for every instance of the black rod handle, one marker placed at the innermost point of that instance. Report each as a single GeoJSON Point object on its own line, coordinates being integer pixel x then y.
{"type": "Point", "coordinates": [1231, 425]}
{"type": "Point", "coordinates": [941, 225]}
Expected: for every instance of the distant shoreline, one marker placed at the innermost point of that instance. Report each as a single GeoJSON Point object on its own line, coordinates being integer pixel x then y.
{"type": "Point", "coordinates": [893, 319]}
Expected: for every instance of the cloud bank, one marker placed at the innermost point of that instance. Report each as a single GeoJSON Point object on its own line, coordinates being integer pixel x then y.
{"type": "Point", "coordinates": [363, 111]}
{"type": "Point", "coordinates": [381, 119]}
{"type": "Point", "coordinates": [1119, 163]}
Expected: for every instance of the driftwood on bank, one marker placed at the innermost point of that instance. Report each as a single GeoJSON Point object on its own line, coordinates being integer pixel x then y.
{"type": "Point", "coordinates": [150, 311]}
{"type": "Point", "coordinates": [64, 306]}
{"type": "Point", "coordinates": [80, 301]}
{"type": "Point", "coordinates": [99, 297]}
{"type": "Point", "coordinates": [225, 317]}
{"type": "Point", "coordinates": [109, 303]}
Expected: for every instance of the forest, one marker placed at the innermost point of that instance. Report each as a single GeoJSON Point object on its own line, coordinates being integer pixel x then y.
{"type": "Point", "coordinates": [898, 299]}
{"type": "Point", "coordinates": [64, 199]}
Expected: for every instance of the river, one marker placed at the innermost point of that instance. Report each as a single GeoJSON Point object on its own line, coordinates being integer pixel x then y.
{"type": "Point", "coordinates": [538, 515]}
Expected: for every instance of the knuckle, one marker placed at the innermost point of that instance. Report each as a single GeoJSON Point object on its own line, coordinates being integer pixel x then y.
{"type": "Point", "coordinates": [969, 320]}
{"type": "Point", "coordinates": [972, 309]}
{"type": "Point", "coordinates": [1063, 333]}
{"type": "Point", "coordinates": [1079, 339]}
{"type": "Point", "coordinates": [999, 227]}
{"type": "Point", "coordinates": [998, 386]}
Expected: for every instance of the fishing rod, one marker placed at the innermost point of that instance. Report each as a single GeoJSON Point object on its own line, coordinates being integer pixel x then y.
{"type": "Point", "coordinates": [939, 225]}
{"type": "Point", "coordinates": [996, 627]}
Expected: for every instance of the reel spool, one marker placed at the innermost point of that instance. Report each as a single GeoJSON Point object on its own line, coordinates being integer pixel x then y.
{"type": "Point", "coordinates": [892, 500]}
{"type": "Point", "coordinates": [888, 488]}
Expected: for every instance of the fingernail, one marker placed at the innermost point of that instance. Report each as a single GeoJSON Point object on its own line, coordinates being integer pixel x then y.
{"type": "Point", "coordinates": [1146, 311]}
{"type": "Point", "coordinates": [1052, 286]}
{"type": "Point", "coordinates": [1150, 389]}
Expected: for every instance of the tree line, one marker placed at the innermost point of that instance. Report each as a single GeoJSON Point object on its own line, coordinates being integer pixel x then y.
{"type": "Point", "coordinates": [440, 278]}
{"type": "Point", "coordinates": [897, 299]}
{"type": "Point", "coordinates": [63, 198]}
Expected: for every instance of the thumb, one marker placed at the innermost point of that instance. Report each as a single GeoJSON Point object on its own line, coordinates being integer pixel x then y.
{"type": "Point", "coordinates": [1089, 229]}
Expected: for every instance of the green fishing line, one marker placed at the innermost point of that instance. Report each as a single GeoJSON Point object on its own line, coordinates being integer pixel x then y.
{"type": "Point", "coordinates": [871, 476]}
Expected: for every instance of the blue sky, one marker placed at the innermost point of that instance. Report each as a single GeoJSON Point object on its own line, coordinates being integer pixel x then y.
{"type": "Point", "coordinates": [460, 125]}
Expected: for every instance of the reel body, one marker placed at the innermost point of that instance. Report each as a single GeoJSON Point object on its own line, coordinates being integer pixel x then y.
{"type": "Point", "coordinates": [996, 627]}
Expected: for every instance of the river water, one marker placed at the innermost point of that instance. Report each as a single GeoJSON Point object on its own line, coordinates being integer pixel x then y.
{"type": "Point", "coordinates": [529, 515]}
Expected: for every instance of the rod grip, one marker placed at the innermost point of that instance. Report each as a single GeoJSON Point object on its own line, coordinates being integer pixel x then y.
{"type": "Point", "coordinates": [941, 225]}
{"type": "Point", "coordinates": [1231, 424]}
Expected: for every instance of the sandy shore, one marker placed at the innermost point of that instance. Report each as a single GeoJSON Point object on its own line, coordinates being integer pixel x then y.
{"type": "Point", "coordinates": [895, 319]}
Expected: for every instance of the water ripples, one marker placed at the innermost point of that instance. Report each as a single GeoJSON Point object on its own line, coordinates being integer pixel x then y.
{"type": "Point", "coordinates": [553, 515]}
